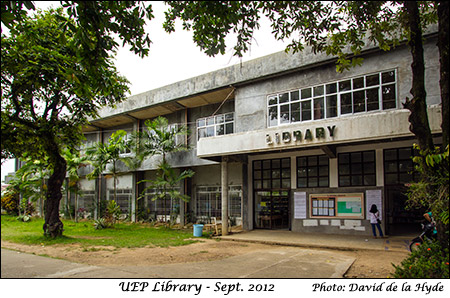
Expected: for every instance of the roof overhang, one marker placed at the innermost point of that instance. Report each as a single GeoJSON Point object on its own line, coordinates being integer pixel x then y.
{"type": "Point", "coordinates": [131, 116]}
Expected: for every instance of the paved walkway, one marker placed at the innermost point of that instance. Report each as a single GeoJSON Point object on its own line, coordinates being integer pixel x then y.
{"type": "Point", "coordinates": [339, 242]}
{"type": "Point", "coordinates": [279, 262]}
{"type": "Point", "coordinates": [285, 260]}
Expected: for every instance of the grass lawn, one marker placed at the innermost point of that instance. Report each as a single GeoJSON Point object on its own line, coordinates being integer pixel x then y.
{"type": "Point", "coordinates": [122, 235]}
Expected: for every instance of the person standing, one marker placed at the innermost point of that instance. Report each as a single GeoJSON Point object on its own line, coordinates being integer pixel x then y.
{"type": "Point", "coordinates": [375, 221]}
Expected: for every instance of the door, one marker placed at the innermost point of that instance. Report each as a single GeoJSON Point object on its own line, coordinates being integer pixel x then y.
{"type": "Point", "coordinates": [272, 209]}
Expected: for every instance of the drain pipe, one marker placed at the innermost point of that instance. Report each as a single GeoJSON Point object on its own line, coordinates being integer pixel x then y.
{"type": "Point", "coordinates": [224, 170]}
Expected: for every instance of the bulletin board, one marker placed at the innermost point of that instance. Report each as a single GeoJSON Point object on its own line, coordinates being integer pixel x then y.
{"type": "Point", "coordinates": [348, 205]}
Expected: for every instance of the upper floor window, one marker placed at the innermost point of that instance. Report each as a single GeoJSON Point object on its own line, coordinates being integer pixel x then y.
{"type": "Point", "coordinates": [215, 125]}
{"type": "Point", "coordinates": [351, 96]}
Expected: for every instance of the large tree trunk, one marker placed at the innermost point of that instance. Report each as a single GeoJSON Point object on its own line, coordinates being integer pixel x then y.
{"type": "Point", "coordinates": [443, 45]}
{"type": "Point", "coordinates": [53, 226]}
{"type": "Point", "coordinates": [418, 118]}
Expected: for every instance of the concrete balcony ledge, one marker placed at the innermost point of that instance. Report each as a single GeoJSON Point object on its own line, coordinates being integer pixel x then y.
{"type": "Point", "coordinates": [358, 128]}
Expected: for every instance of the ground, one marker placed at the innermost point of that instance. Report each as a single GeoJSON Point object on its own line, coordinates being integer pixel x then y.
{"type": "Point", "coordinates": [368, 264]}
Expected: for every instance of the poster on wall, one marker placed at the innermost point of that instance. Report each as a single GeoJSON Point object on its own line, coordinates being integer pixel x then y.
{"type": "Point", "coordinates": [349, 206]}
{"type": "Point", "coordinates": [374, 197]}
{"type": "Point", "coordinates": [299, 205]}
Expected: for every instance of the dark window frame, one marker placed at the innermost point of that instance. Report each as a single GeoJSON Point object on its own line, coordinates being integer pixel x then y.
{"type": "Point", "coordinates": [313, 168]}
{"type": "Point", "coordinates": [352, 165]}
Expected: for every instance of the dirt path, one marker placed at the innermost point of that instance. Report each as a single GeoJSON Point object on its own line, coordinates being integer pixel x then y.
{"type": "Point", "coordinates": [368, 264]}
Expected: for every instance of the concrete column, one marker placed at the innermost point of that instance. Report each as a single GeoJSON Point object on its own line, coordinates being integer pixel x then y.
{"type": "Point", "coordinates": [224, 175]}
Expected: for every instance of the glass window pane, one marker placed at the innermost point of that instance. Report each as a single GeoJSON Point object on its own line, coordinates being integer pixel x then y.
{"type": "Point", "coordinates": [257, 175]}
{"type": "Point", "coordinates": [266, 184]}
{"type": "Point", "coordinates": [391, 179]}
{"type": "Point", "coordinates": [312, 160]}
{"type": "Point", "coordinates": [323, 160]}
{"type": "Point", "coordinates": [404, 153]}
{"type": "Point", "coordinates": [356, 168]}
{"type": "Point", "coordinates": [284, 114]}
{"type": "Point", "coordinates": [210, 131]}
{"type": "Point", "coordinates": [389, 97]}
{"type": "Point", "coordinates": [358, 83]}
{"type": "Point", "coordinates": [283, 97]}
{"type": "Point", "coordinates": [220, 130]}
{"type": "Point", "coordinates": [276, 183]}
{"type": "Point", "coordinates": [369, 168]}
{"type": "Point", "coordinates": [302, 172]}
{"type": "Point", "coordinates": [229, 117]}
{"type": "Point", "coordinates": [344, 169]}
{"type": "Point", "coordinates": [275, 163]}
{"type": "Point", "coordinates": [301, 162]}
{"type": "Point", "coordinates": [355, 157]}
{"type": "Point", "coordinates": [273, 100]}
{"type": "Point", "coordinates": [356, 180]}
{"type": "Point", "coordinates": [390, 167]}
{"type": "Point", "coordinates": [266, 164]}
{"type": "Point", "coordinates": [323, 181]}
{"type": "Point", "coordinates": [313, 171]}
{"type": "Point", "coordinates": [313, 182]}
{"type": "Point", "coordinates": [318, 108]}
{"type": "Point", "coordinates": [301, 182]}
{"type": "Point", "coordinates": [390, 154]}
{"type": "Point", "coordinates": [331, 88]}
{"type": "Point", "coordinates": [202, 132]}
{"type": "Point", "coordinates": [201, 122]}
{"type": "Point", "coordinates": [346, 103]}
{"type": "Point", "coordinates": [323, 171]}
{"type": "Point", "coordinates": [306, 110]}
{"type": "Point", "coordinates": [305, 93]}
{"type": "Point", "coordinates": [286, 183]}
{"type": "Point", "coordinates": [387, 77]}
{"type": "Point", "coordinates": [369, 156]}
{"type": "Point", "coordinates": [286, 163]}
{"type": "Point", "coordinates": [359, 101]}
{"type": "Point", "coordinates": [229, 128]}
{"type": "Point", "coordinates": [257, 165]}
{"type": "Point", "coordinates": [372, 99]}
{"type": "Point", "coordinates": [344, 181]}
{"type": "Point", "coordinates": [331, 106]}
{"type": "Point", "coordinates": [318, 91]}
{"type": "Point", "coordinates": [345, 85]}
{"type": "Point", "coordinates": [220, 119]}
{"type": "Point", "coordinates": [273, 116]}
{"type": "Point", "coordinates": [405, 166]}
{"type": "Point", "coordinates": [344, 158]}
{"type": "Point", "coordinates": [266, 174]}
{"type": "Point", "coordinates": [210, 121]}
{"type": "Point", "coordinates": [372, 80]}
{"type": "Point", "coordinates": [295, 95]}
{"type": "Point", "coordinates": [295, 112]}
{"type": "Point", "coordinates": [369, 180]}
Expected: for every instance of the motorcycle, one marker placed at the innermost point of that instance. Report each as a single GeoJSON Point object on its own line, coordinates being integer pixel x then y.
{"type": "Point", "coordinates": [426, 235]}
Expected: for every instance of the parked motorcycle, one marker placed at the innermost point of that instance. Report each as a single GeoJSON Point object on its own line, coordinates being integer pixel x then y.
{"type": "Point", "coordinates": [426, 235]}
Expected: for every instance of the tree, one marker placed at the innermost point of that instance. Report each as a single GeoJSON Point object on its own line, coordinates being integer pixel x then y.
{"type": "Point", "coordinates": [161, 139]}
{"type": "Point", "coordinates": [102, 155]}
{"type": "Point", "coordinates": [57, 71]}
{"type": "Point", "coordinates": [74, 162]}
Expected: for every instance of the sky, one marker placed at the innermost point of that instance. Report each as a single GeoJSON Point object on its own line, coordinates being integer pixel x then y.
{"type": "Point", "coordinates": [174, 57]}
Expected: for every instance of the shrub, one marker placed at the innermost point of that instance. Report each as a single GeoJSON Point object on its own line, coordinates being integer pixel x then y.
{"type": "Point", "coordinates": [431, 260]}
{"type": "Point", "coordinates": [10, 202]}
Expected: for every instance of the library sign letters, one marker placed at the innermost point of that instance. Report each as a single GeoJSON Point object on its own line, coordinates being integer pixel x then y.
{"type": "Point", "coordinates": [286, 137]}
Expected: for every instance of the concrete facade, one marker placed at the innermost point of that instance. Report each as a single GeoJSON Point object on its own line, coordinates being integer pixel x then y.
{"type": "Point", "coordinates": [245, 91]}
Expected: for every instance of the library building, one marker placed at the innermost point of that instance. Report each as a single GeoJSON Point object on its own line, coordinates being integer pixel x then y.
{"type": "Point", "coordinates": [281, 142]}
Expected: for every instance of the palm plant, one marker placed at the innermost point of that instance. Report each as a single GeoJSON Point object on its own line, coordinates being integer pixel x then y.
{"type": "Point", "coordinates": [161, 139]}
{"type": "Point", "coordinates": [101, 155]}
{"type": "Point", "coordinates": [29, 181]}
{"type": "Point", "coordinates": [74, 162]}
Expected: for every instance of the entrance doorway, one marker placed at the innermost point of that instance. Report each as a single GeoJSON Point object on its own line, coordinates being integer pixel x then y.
{"type": "Point", "coordinates": [271, 184]}
{"type": "Point", "coordinates": [400, 219]}
{"type": "Point", "coordinates": [272, 209]}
